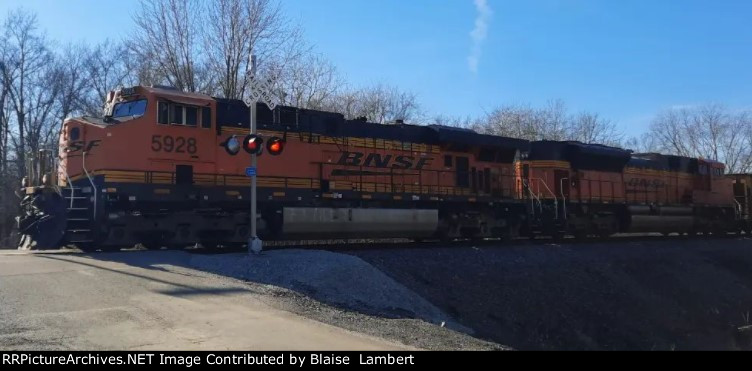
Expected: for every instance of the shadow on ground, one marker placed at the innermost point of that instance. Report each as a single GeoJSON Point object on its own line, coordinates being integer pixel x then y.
{"type": "Point", "coordinates": [651, 295]}
{"type": "Point", "coordinates": [685, 294]}
{"type": "Point", "coordinates": [334, 288]}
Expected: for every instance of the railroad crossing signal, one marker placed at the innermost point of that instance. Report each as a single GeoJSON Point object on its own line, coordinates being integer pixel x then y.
{"type": "Point", "coordinates": [275, 146]}
{"type": "Point", "coordinates": [253, 144]}
{"type": "Point", "coordinates": [232, 145]}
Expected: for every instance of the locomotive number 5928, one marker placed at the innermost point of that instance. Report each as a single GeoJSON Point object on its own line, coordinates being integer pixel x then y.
{"type": "Point", "coordinates": [168, 143]}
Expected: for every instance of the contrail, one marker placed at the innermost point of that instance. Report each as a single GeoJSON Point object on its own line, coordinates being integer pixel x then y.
{"type": "Point", "coordinates": [478, 34]}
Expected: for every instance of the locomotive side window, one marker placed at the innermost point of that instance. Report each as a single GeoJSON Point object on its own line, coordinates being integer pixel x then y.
{"type": "Point", "coordinates": [163, 113]}
{"type": "Point", "coordinates": [487, 180]}
{"type": "Point", "coordinates": [448, 160]}
{"type": "Point", "coordinates": [463, 172]}
{"type": "Point", "coordinates": [191, 116]}
{"type": "Point", "coordinates": [473, 179]}
{"type": "Point", "coordinates": [481, 180]}
{"type": "Point", "coordinates": [75, 133]}
{"type": "Point", "coordinates": [206, 117]}
{"type": "Point", "coordinates": [177, 115]}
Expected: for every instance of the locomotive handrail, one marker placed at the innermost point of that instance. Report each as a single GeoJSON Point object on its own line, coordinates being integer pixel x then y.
{"type": "Point", "coordinates": [70, 184]}
{"type": "Point", "coordinates": [563, 197]}
{"type": "Point", "coordinates": [93, 187]}
{"type": "Point", "coordinates": [534, 196]}
{"type": "Point", "coordinates": [556, 201]}
{"type": "Point", "coordinates": [738, 209]}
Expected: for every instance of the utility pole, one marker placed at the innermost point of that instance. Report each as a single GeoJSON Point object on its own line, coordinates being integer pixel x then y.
{"type": "Point", "coordinates": [255, 244]}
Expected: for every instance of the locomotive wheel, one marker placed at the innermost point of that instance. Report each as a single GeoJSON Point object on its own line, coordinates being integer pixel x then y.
{"type": "Point", "coordinates": [151, 245]}
{"type": "Point", "coordinates": [580, 235]}
{"type": "Point", "coordinates": [87, 247]}
{"type": "Point", "coordinates": [557, 236]}
{"type": "Point", "coordinates": [210, 245]}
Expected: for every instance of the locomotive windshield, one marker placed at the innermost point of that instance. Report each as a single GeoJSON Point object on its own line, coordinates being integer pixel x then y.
{"type": "Point", "coordinates": [130, 109]}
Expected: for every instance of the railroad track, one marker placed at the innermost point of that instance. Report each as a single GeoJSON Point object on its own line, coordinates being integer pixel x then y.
{"type": "Point", "coordinates": [344, 245]}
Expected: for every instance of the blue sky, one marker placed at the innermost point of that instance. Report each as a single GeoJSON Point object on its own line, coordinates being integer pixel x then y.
{"type": "Point", "coordinates": [624, 59]}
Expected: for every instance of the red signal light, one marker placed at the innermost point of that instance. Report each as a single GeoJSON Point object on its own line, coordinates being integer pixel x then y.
{"type": "Point", "coordinates": [275, 146]}
{"type": "Point", "coordinates": [253, 144]}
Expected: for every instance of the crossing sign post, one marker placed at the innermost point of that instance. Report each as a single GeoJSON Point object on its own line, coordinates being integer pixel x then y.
{"type": "Point", "coordinates": [259, 90]}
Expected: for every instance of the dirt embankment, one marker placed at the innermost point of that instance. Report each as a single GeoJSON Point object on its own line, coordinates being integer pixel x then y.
{"type": "Point", "coordinates": [662, 295]}
{"type": "Point", "coordinates": [344, 291]}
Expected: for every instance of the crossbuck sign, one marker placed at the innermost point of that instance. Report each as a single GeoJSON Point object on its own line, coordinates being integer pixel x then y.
{"type": "Point", "coordinates": [262, 89]}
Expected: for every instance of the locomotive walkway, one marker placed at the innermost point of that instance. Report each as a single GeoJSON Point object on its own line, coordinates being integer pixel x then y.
{"type": "Point", "coordinates": [72, 301]}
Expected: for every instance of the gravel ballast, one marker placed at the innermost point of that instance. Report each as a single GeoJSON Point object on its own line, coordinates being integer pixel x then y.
{"type": "Point", "coordinates": [679, 293]}
{"type": "Point", "coordinates": [336, 279]}
{"type": "Point", "coordinates": [344, 290]}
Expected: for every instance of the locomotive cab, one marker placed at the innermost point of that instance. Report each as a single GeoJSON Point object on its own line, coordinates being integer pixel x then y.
{"type": "Point", "coordinates": [156, 135]}
{"type": "Point", "coordinates": [155, 128]}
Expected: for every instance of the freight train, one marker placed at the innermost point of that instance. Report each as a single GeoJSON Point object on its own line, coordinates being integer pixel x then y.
{"type": "Point", "coordinates": [164, 167]}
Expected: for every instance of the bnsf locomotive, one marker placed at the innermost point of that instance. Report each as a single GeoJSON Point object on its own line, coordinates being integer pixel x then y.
{"type": "Point", "coordinates": [162, 168]}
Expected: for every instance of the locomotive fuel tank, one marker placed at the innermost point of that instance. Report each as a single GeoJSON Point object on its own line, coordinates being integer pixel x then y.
{"type": "Point", "coordinates": [645, 218]}
{"type": "Point", "coordinates": [324, 222]}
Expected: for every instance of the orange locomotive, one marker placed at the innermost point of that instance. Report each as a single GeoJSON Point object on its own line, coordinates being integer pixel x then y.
{"type": "Point", "coordinates": [164, 168]}
{"type": "Point", "coordinates": [161, 168]}
{"type": "Point", "coordinates": [596, 189]}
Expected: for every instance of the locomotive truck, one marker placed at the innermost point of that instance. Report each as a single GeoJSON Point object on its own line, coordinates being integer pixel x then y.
{"type": "Point", "coordinates": [163, 167]}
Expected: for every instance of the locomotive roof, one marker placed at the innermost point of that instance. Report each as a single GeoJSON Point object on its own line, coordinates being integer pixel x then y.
{"type": "Point", "coordinates": [580, 155]}
{"type": "Point", "coordinates": [234, 113]}
{"type": "Point", "coordinates": [659, 161]}
{"type": "Point", "coordinates": [175, 93]}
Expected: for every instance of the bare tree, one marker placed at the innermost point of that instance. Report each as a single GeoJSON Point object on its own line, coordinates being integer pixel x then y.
{"type": "Point", "coordinates": [5, 109]}
{"type": "Point", "coordinates": [378, 103]}
{"type": "Point", "coordinates": [670, 129]}
{"type": "Point", "coordinates": [644, 143]}
{"type": "Point", "coordinates": [237, 28]}
{"type": "Point", "coordinates": [523, 121]}
{"type": "Point", "coordinates": [72, 82]}
{"type": "Point", "coordinates": [108, 65]}
{"type": "Point", "coordinates": [589, 127]}
{"type": "Point", "coordinates": [709, 131]}
{"type": "Point", "coordinates": [28, 61]}
{"type": "Point", "coordinates": [42, 120]}
{"type": "Point", "coordinates": [309, 82]}
{"type": "Point", "coordinates": [454, 121]}
{"type": "Point", "coordinates": [551, 122]}
{"type": "Point", "coordinates": [7, 176]}
{"type": "Point", "coordinates": [167, 37]}
{"type": "Point", "coordinates": [516, 121]}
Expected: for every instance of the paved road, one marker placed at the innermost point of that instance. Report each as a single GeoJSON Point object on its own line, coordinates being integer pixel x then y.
{"type": "Point", "coordinates": [116, 301]}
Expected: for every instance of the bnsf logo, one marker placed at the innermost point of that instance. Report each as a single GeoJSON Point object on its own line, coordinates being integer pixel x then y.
{"type": "Point", "coordinates": [385, 161]}
{"type": "Point", "coordinates": [645, 183]}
